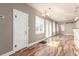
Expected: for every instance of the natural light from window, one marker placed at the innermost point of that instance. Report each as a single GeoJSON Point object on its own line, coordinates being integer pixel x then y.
{"type": "Point", "coordinates": [39, 25]}
{"type": "Point", "coordinates": [54, 30]}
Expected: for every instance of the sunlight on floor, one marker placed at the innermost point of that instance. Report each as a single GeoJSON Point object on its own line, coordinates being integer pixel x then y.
{"type": "Point", "coordinates": [53, 42]}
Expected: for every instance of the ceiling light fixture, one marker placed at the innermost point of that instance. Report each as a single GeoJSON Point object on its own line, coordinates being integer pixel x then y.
{"type": "Point", "coordinates": [46, 12]}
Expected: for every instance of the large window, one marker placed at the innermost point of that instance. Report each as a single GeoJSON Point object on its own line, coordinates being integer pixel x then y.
{"type": "Point", "coordinates": [57, 28]}
{"type": "Point", "coordinates": [62, 27]}
{"type": "Point", "coordinates": [48, 28]}
{"type": "Point", "coordinates": [54, 30]}
{"type": "Point", "coordinates": [39, 25]}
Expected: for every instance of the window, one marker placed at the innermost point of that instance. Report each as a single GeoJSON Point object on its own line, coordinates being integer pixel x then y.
{"type": "Point", "coordinates": [54, 30]}
{"type": "Point", "coordinates": [39, 25]}
{"type": "Point", "coordinates": [48, 28]}
{"type": "Point", "coordinates": [57, 28]}
{"type": "Point", "coordinates": [62, 27]}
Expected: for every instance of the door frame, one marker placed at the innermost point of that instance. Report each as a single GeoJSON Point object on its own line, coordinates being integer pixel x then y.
{"type": "Point", "coordinates": [26, 26]}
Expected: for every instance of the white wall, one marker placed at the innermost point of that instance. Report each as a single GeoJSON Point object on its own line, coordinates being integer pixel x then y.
{"type": "Point", "coordinates": [66, 28]}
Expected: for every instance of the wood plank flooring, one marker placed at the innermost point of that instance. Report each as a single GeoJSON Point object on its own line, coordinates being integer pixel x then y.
{"type": "Point", "coordinates": [56, 46]}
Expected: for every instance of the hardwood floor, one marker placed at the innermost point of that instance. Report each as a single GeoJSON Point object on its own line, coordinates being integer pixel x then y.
{"type": "Point", "coordinates": [55, 46]}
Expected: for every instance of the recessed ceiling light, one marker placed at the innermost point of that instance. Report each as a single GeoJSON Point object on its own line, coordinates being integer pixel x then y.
{"type": "Point", "coordinates": [76, 7]}
{"type": "Point", "coordinates": [75, 11]}
{"type": "Point", "coordinates": [49, 8]}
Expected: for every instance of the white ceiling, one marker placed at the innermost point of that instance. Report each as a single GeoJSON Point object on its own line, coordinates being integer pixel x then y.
{"type": "Point", "coordinates": [61, 12]}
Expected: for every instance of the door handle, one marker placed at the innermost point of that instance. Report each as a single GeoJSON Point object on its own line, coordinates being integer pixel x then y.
{"type": "Point", "coordinates": [15, 45]}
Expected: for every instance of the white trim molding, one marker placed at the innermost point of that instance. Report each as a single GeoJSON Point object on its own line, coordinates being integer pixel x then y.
{"type": "Point", "coordinates": [11, 52]}
{"type": "Point", "coordinates": [36, 42]}
{"type": "Point", "coordinates": [8, 53]}
{"type": "Point", "coordinates": [68, 34]}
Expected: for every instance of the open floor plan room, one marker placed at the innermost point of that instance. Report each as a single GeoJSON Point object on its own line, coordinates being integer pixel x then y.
{"type": "Point", "coordinates": [39, 29]}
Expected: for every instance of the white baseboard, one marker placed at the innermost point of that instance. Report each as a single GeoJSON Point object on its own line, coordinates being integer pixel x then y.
{"type": "Point", "coordinates": [11, 52]}
{"type": "Point", "coordinates": [36, 42]}
{"type": "Point", "coordinates": [68, 34]}
{"type": "Point", "coordinates": [8, 53]}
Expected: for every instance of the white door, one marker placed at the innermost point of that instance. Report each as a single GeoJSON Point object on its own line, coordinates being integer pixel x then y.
{"type": "Point", "coordinates": [20, 30]}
